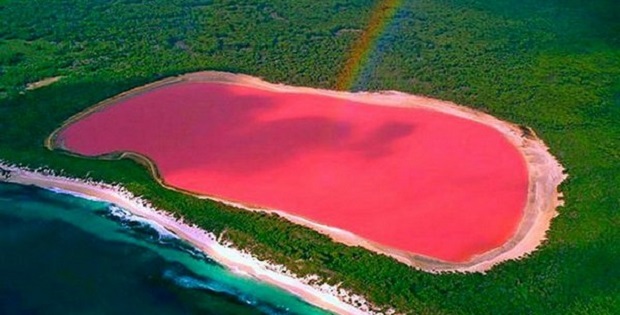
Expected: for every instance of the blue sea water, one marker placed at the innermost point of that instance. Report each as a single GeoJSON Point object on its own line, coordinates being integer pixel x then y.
{"type": "Point", "coordinates": [67, 255]}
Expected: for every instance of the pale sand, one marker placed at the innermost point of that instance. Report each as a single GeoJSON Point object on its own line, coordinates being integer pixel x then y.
{"type": "Point", "coordinates": [323, 296]}
{"type": "Point", "coordinates": [42, 83]}
{"type": "Point", "coordinates": [545, 173]}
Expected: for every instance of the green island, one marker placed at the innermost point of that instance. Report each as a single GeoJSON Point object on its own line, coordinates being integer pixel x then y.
{"type": "Point", "coordinates": [551, 65]}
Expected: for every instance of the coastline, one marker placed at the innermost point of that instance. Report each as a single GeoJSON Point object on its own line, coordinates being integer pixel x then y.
{"type": "Point", "coordinates": [327, 297]}
{"type": "Point", "coordinates": [545, 174]}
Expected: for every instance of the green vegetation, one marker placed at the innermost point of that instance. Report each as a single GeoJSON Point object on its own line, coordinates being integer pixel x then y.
{"type": "Point", "coordinates": [549, 64]}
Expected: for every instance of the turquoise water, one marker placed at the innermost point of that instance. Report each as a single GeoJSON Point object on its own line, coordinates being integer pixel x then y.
{"type": "Point", "coordinates": [67, 255]}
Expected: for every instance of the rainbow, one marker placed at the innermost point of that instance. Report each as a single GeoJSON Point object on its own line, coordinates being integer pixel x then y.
{"type": "Point", "coordinates": [360, 53]}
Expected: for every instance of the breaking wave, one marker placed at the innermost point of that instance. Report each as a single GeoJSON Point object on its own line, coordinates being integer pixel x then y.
{"type": "Point", "coordinates": [197, 283]}
{"type": "Point", "coordinates": [150, 230]}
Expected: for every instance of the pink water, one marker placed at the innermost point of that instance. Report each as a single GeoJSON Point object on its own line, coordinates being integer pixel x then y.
{"type": "Point", "coordinates": [415, 180]}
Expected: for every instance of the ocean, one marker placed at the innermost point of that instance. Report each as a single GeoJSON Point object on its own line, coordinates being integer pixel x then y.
{"type": "Point", "coordinates": [68, 255]}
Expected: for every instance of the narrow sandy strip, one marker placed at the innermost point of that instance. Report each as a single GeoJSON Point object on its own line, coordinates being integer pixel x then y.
{"type": "Point", "coordinates": [42, 83]}
{"type": "Point", "coordinates": [544, 171]}
{"type": "Point", "coordinates": [330, 298]}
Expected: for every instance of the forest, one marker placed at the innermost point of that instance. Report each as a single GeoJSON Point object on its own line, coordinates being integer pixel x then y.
{"type": "Point", "coordinates": [549, 64]}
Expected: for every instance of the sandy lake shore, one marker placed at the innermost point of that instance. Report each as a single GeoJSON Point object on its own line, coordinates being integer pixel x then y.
{"type": "Point", "coordinates": [545, 174]}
